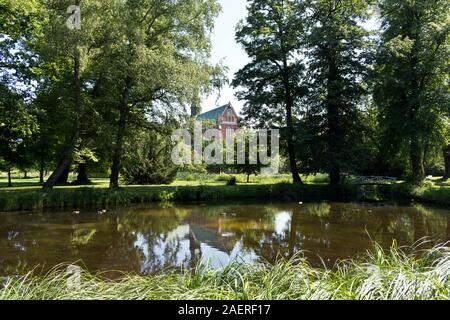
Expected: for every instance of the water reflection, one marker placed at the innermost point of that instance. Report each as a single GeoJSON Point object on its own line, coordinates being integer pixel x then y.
{"type": "Point", "coordinates": [148, 239]}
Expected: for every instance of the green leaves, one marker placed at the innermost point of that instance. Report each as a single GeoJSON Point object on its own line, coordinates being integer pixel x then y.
{"type": "Point", "coordinates": [400, 47]}
{"type": "Point", "coordinates": [271, 36]}
{"type": "Point", "coordinates": [412, 81]}
{"type": "Point", "coordinates": [17, 127]}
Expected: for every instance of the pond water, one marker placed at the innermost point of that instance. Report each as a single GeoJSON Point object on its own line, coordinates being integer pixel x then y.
{"type": "Point", "coordinates": [146, 239]}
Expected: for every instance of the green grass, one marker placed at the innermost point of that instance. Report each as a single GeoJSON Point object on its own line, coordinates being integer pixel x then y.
{"type": "Point", "coordinates": [182, 179]}
{"type": "Point", "coordinates": [434, 192]}
{"type": "Point", "coordinates": [27, 194]}
{"type": "Point", "coordinates": [75, 197]}
{"type": "Point", "coordinates": [405, 274]}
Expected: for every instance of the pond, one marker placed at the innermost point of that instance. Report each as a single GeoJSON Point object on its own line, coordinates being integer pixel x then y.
{"type": "Point", "coordinates": [147, 239]}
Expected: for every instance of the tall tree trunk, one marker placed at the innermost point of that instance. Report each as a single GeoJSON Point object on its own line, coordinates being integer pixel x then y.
{"type": "Point", "coordinates": [25, 174]}
{"type": "Point", "coordinates": [9, 178]}
{"type": "Point", "coordinates": [64, 163]}
{"type": "Point", "coordinates": [64, 177]}
{"type": "Point", "coordinates": [117, 156]}
{"type": "Point", "coordinates": [334, 132]}
{"type": "Point", "coordinates": [335, 175]}
{"type": "Point", "coordinates": [289, 101]}
{"type": "Point", "coordinates": [447, 162]}
{"type": "Point", "coordinates": [334, 138]}
{"type": "Point", "coordinates": [82, 177]}
{"type": "Point", "coordinates": [416, 158]}
{"type": "Point", "coordinates": [41, 170]}
{"type": "Point", "coordinates": [292, 161]}
{"type": "Point", "coordinates": [416, 153]}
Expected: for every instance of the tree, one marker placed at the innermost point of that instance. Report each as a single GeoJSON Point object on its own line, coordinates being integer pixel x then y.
{"type": "Point", "coordinates": [64, 46]}
{"type": "Point", "coordinates": [155, 57]}
{"type": "Point", "coordinates": [271, 36]}
{"type": "Point", "coordinates": [249, 168]}
{"type": "Point", "coordinates": [82, 157]}
{"type": "Point", "coordinates": [20, 24]}
{"type": "Point", "coordinates": [338, 50]}
{"type": "Point", "coordinates": [252, 154]}
{"type": "Point", "coordinates": [16, 127]}
{"type": "Point", "coordinates": [413, 76]}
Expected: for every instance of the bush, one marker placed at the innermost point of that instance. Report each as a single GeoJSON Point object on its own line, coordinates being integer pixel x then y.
{"type": "Point", "coordinates": [150, 161]}
{"type": "Point", "coordinates": [319, 178]}
{"type": "Point", "coordinates": [166, 196]}
{"type": "Point", "coordinates": [232, 181]}
{"type": "Point", "coordinates": [437, 170]}
{"type": "Point", "coordinates": [223, 178]}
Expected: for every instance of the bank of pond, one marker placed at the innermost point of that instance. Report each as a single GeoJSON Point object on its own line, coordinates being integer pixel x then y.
{"type": "Point", "coordinates": [66, 197]}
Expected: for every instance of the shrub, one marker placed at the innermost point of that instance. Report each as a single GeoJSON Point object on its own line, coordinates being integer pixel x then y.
{"type": "Point", "coordinates": [223, 178]}
{"type": "Point", "coordinates": [150, 162]}
{"type": "Point", "coordinates": [232, 181]}
{"type": "Point", "coordinates": [166, 196]}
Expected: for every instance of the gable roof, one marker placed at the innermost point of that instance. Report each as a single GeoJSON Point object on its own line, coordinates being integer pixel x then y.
{"type": "Point", "coordinates": [214, 113]}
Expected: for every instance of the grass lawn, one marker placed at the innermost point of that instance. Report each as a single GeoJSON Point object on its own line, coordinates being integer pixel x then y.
{"type": "Point", "coordinates": [436, 190]}
{"type": "Point", "coordinates": [183, 179]}
{"type": "Point", "coordinates": [26, 194]}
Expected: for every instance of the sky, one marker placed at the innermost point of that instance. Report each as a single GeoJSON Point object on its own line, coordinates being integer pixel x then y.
{"type": "Point", "coordinates": [226, 49]}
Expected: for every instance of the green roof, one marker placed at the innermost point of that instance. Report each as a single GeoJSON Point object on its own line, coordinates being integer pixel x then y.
{"type": "Point", "coordinates": [213, 114]}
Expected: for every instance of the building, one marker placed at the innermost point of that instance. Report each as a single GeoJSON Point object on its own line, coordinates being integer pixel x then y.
{"type": "Point", "coordinates": [223, 118]}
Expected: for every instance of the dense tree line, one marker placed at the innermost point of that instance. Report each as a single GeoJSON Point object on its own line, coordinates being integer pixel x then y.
{"type": "Point", "coordinates": [79, 95]}
{"type": "Point", "coordinates": [104, 95]}
{"type": "Point", "coordinates": [350, 99]}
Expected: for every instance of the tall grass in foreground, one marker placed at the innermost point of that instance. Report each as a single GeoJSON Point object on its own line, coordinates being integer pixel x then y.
{"type": "Point", "coordinates": [407, 273]}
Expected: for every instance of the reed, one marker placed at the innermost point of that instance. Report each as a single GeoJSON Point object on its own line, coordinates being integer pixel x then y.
{"type": "Point", "coordinates": [395, 274]}
{"type": "Point", "coordinates": [69, 198]}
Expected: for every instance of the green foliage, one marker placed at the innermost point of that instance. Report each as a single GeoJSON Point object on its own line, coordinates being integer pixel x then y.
{"type": "Point", "coordinates": [17, 125]}
{"type": "Point", "coordinates": [271, 35]}
{"type": "Point", "coordinates": [272, 81]}
{"type": "Point", "coordinates": [252, 160]}
{"type": "Point", "coordinates": [84, 155]}
{"type": "Point", "coordinates": [157, 51]}
{"type": "Point", "coordinates": [223, 177]}
{"type": "Point", "coordinates": [16, 200]}
{"type": "Point", "coordinates": [207, 189]}
{"type": "Point", "coordinates": [339, 50]}
{"type": "Point", "coordinates": [412, 89]}
{"type": "Point", "coordinates": [21, 22]}
{"type": "Point", "coordinates": [148, 161]}
{"type": "Point", "coordinates": [232, 181]}
{"type": "Point", "coordinates": [432, 194]}
{"type": "Point", "coordinates": [143, 64]}
{"type": "Point", "coordinates": [166, 196]}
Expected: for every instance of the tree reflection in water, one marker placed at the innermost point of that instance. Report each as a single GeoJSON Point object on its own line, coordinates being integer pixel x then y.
{"type": "Point", "coordinates": [147, 239]}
